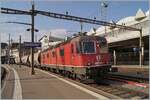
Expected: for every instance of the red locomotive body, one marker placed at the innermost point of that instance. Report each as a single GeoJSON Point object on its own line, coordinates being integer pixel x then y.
{"type": "Point", "coordinates": [81, 57]}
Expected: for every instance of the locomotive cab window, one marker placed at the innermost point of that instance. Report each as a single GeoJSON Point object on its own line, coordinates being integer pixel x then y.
{"type": "Point", "coordinates": [88, 47]}
{"type": "Point", "coordinates": [62, 52]}
{"type": "Point", "coordinates": [102, 43]}
{"type": "Point", "coordinates": [78, 47]}
{"type": "Point", "coordinates": [103, 46]}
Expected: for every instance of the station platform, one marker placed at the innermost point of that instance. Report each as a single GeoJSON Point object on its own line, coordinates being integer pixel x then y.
{"type": "Point", "coordinates": [20, 84]}
{"type": "Point", "coordinates": [132, 70]}
{"type": "Point", "coordinates": [131, 66]}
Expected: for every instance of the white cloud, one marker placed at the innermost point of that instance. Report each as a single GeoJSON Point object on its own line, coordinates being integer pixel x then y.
{"type": "Point", "coordinates": [14, 31]}
{"type": "Point", "coordinates": [60, 33]}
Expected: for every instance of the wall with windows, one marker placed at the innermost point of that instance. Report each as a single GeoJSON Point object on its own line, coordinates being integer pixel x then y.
{"type": "Point", "coordinates": [120, 40]}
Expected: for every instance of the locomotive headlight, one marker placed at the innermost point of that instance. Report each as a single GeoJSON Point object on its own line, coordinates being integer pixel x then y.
{"type": "Point", "coordinates": [88, 64]}
{"type": "Point", "coordinates": [97, 45]}
{"type": "Point", "coordinates": [110, 69]}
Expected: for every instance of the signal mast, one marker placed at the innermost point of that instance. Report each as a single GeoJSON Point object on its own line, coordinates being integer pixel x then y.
{"type": "Point", "coordinates": [104, 6]}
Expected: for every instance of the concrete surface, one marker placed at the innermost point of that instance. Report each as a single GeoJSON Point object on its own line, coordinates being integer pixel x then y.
{"type": "Point", "coordinates": [43, 86]}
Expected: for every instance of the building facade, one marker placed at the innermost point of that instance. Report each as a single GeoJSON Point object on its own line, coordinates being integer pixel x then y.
{"type": "Point", "coordinates": [124, 44]}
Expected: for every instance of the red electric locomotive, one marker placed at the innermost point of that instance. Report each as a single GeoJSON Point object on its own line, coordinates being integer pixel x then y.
{"type": "Point", "coordinates": [82, 57]}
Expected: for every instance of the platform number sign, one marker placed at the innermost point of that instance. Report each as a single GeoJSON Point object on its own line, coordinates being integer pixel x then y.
{"type": "Point", "coordinates": [30, 44]}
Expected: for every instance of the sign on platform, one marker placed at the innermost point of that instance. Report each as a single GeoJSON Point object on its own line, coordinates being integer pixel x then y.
{"type": "Point", "coordinates": [32, 44]}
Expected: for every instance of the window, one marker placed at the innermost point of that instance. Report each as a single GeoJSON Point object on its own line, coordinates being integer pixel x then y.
{"type": "Point", "coordinates": [102, 43]}
{"type": "Point", "coordinates": [88, 47]}
{"type": "Point", "coordinates": [103, 46]}
{"type": "Point", "coordinates": [53, 53]}
{"type": "Point", "coordinates": [43, 56]}
{"type": "Point", "coordinates": [72, 48]}
{"type": "Point", "coordinates": [62, 52]}
{"type": "Point", "coordinates": [47, 55]}
{"type": "Point", "coordinates": [78, 46]}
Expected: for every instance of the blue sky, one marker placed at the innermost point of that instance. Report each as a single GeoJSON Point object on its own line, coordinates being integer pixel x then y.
{"type": "Point", "coordinates": [89, 9]}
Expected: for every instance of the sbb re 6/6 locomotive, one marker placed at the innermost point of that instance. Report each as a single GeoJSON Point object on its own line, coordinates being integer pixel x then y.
{"type": "Point", "coordinates": [82, 57]}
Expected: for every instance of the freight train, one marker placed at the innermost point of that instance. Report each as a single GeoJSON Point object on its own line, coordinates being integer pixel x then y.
{"type": "Point", "coordinates": [81, 57]}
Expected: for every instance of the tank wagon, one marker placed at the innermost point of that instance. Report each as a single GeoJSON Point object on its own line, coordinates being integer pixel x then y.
{"type": "Point", "coordinates": [37, 59]}
{"type": "Point", "coordinates": [82, 57]}
{"type": "Point", "coordinates": [26, 60]}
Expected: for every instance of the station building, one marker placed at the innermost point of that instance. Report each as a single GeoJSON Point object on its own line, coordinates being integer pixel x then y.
{"type": "Point", "coordinates": [48, 41]}
{"type": "Point", "coordinates": [124, 44]}
{"type": "Point", "coordinates": [4, 52]}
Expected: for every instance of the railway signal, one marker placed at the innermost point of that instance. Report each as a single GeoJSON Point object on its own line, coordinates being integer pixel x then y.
{"type": "Point", "coordinates": [34, 12]}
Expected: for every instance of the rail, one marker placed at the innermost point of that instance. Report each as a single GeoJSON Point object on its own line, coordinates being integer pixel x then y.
{"type": "Point", "coordinates": [128, 78]}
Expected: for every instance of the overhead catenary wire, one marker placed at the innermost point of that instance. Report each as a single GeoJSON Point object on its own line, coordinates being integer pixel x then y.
{"type": "Point", "coordinates": [34, 12]}
{"type": "Point", "coordinates": [67, 17]}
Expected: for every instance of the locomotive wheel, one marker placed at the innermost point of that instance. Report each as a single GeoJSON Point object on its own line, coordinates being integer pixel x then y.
{"type": "Point", "coordinates": [74, 76]}
{"type": "Point", "coordinates": [51, 70]}
{"type": "Point", "coordinates": [68, 74]}
{"type": "Point", "coordinates": [46, 68]}
{"type": "Point", "coordinates": [64, 73]}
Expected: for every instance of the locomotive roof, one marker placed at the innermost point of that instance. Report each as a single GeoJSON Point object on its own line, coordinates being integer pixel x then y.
{"type": "Point", "coordinates": [77, 38]}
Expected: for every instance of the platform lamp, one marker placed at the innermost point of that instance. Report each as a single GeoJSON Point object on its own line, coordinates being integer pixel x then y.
{"type": "Point", "coordinates": [141, 43]}
{"type": "Point", "coordinates": [36, 30]}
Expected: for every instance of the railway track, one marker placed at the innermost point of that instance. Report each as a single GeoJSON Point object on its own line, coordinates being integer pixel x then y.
{"type": "Point", "coordinates": [129, 78]}
{"type": "Point", "coordinates": [115, 89]}
{"type": "Point", "coordinates": [121, 92]}
{"type": "Point", "coordinates": [113, 85]}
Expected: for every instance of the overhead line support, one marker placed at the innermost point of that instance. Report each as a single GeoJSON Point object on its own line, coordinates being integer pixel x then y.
{"type": "Point", "coordinates": [86, 20]}
{"type": "Point", "coordinates": [67, 17]}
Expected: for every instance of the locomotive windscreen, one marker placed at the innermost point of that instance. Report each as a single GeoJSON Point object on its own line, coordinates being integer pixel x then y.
{"type": "Point", "coordinates": [88, 47]}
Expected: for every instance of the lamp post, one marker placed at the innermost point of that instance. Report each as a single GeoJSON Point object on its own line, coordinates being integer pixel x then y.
{"type": "Point", "coordinates": [32, 40]}
{"type": "Point", "coordinates": [32, 35]}
{"type": "Point", "coordinates": [141, 51]}
{"type": "Point", "coordinates": [20, 50]}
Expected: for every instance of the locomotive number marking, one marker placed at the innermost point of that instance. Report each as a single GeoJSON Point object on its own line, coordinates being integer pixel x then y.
{"type": "Point", "coordinates": [98, 57]}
